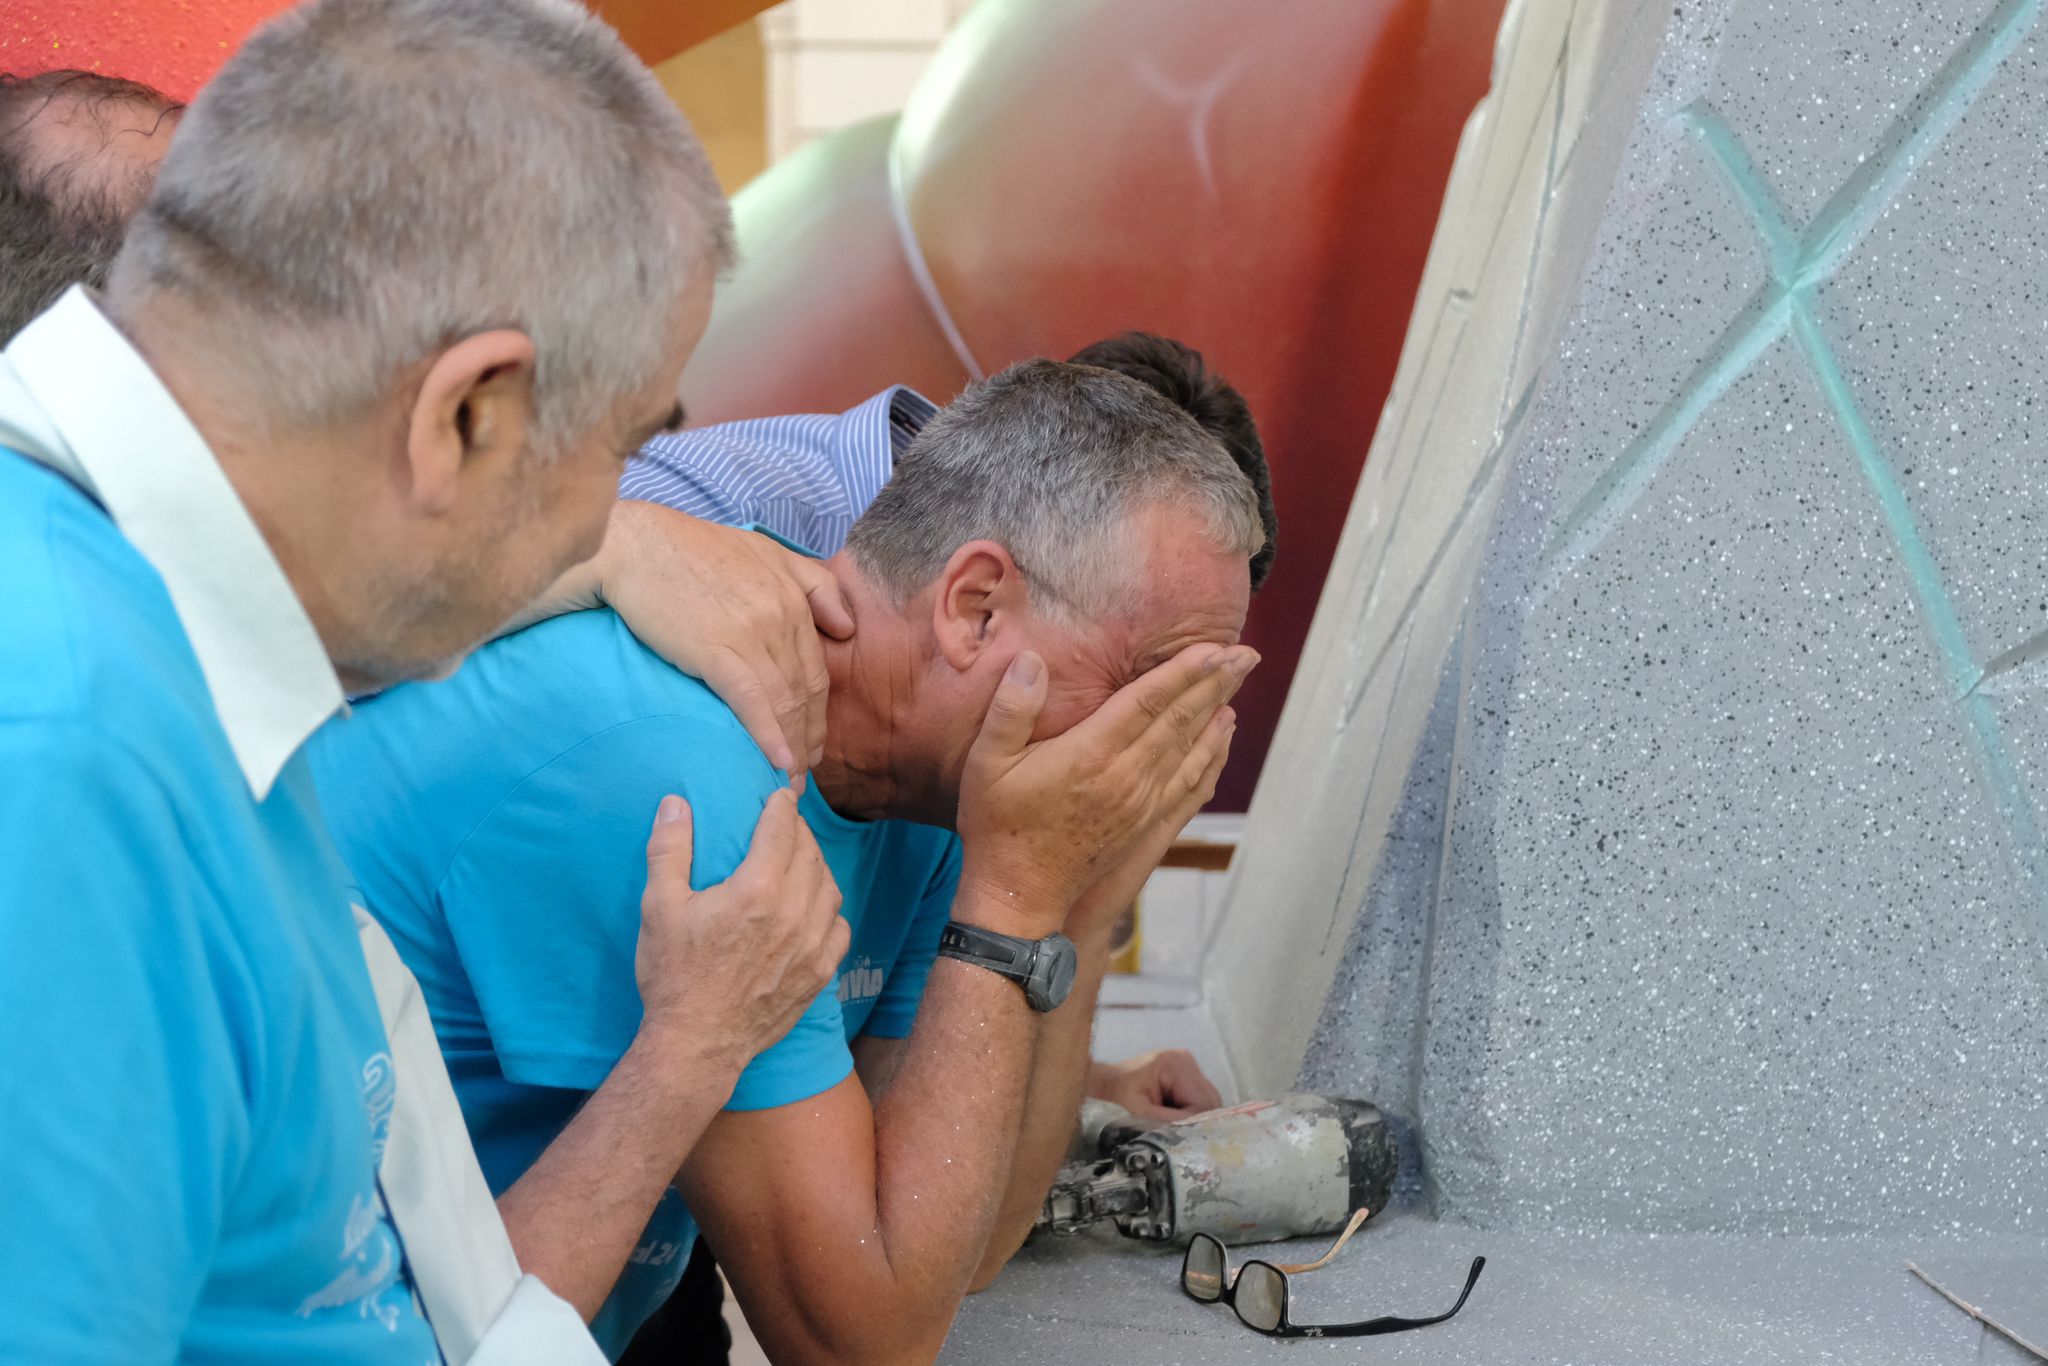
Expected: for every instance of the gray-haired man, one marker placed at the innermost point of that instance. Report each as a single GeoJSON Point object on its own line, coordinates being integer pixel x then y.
{"type": "Point", "coordinates": [79, 151]}
{"type": "Point", "coordinates": [332, 423]}
{"type": "Point", "coordinates": [1048, 595]}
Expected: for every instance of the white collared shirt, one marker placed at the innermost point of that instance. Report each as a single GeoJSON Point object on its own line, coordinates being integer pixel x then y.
{"type": "Point", "coordinates": [272, 686]}
{"type": "Point", "coordinates": [143, 460]}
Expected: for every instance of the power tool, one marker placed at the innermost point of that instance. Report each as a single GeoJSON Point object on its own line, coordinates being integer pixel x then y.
{"type": "Point", "coordinates": [1257, 1172]}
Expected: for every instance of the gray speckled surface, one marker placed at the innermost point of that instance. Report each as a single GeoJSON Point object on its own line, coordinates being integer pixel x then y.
{"type": "Point", "coordinates": [1546, 1298]}
{"type": "Point", "coordinates": [1655, 825]}
{"type": "Point", "coordinates": [1693, 870]}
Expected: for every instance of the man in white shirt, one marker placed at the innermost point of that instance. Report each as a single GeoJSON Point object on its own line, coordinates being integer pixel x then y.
{"type": "Point", "coordinates": [325, 433]}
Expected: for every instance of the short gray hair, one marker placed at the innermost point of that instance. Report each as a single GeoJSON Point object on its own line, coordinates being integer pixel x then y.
{"type": "Point", "coordinates": [368, 181]}
{"type": "Point", "coordinates": [1051, 460]}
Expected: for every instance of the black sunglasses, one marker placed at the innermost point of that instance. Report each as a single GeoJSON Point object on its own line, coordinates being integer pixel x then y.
{"type": "Point", "coordinates": [1259, 1293]}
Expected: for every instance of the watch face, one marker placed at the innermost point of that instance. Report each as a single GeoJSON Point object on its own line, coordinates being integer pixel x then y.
{"type": "Point", "coordinates": [1053, 973]}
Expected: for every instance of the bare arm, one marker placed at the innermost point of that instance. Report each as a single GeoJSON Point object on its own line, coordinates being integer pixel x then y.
{"type": "Point", "coordinates": [1059, 1073]}
{"type": "Point", "coordinates": [850, 1227]}
{"type": "Point", "coordinates": [848, 1230]}
{"type": "Point", "coordinates": [579, 1210]}
{"type": "Point", "coordinates": [1058, 1076]}
{"type": "Point", "coordinates": [758, 948]}
{"type": "Point", "coordinates": [876, 1062]}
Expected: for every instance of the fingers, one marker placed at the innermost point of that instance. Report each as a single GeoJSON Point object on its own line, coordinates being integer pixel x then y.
{"type": "Point", "coordinates": [670, 847]}
{"type": "Point", "coordinates": [778, 838]}
{"type": "Point", "coordinates": [838, 939]}
{"type": "Point", "coordinates": [1177, 697]}
{"type": "Point", "coordinates": [1013, 711]}
{"type": "Point", "coordinates": [757, 694]}
{"type": "Point", "coordinates": [1185, 720]}
{"type": "Point", "coordinates": [779, 695]}
{"type": "Point", "coordinates": [830, 611]}
{"type": "Point", "coordinates": [1203, 766]}
{"type": "Point", "coordinates": [1183, 1085]}
{"type": "Point", "coordinates": [811, 884]}
{"type": "Point", "coordinates": [815, 684]}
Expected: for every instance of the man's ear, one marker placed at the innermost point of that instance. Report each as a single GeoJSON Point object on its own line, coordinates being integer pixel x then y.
{"type": "Point", "coordinates": [980, 592]}
{"type": "Point", "coordinates": [472, 412]}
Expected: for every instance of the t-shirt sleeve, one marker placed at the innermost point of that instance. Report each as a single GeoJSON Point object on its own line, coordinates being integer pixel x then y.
{"type": "Point", "coordinates": [896, 1010]}
{"type": "Point", "coordinates": [542, 898]}
{"type": "Point", "coordinates": [808, 1061]}
{"type": "Point", "coordinates": [121, 1117]}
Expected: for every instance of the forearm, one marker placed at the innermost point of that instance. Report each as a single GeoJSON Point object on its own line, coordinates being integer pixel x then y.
{"type": "Point", "coordinates": [944, 1131]}
{"type": "Point", "coordinates": [579, 1211]}
{"type": "Point", "coordinates": [1059, 1077]}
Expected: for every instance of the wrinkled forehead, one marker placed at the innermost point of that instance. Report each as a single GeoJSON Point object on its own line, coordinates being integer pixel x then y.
{"type": "Point", "coordinates": [1188, 592]}
{"type": "Point", "coordinates": [1216, 618]}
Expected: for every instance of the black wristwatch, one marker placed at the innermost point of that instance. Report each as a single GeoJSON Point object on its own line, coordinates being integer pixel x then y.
{"type": "Point", "coordinates": [1043, 967]}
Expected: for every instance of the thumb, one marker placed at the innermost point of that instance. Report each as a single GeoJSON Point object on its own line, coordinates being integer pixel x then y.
{"type": "Point", "coordinates": [1013, 711]}
{"type": "Point", "coordinates": [670, 847]}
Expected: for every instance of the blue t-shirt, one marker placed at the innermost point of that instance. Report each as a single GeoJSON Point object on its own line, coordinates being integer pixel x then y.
{"type": "Point", "coordinates": [497, 824]}
{"type": "Point", "coordinates": [194, 1082]}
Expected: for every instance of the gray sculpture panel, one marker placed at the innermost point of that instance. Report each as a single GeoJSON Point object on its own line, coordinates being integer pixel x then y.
{"type": "Point", "coordinates": [1728, 923]}
{"type": "Point", "coordinates": [1811, 87]}
{"type": "Point", "coordinates": [1942, 315]}
{"type": "Point", "coordinates": [1692, 867]}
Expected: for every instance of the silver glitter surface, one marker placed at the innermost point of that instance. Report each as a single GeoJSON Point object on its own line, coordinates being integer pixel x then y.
{"type": "Point", "coordinates": [1546, 1298]}
{"type": "Point", "coordinates": [1688, 805]}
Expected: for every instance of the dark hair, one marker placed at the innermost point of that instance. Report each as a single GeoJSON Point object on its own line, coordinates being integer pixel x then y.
{"type": "Point", "coordinates": [62, 215]}
{"type": "Point", "coordinates": [1179, 372]}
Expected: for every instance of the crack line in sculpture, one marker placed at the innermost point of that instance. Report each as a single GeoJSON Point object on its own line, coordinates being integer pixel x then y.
{"type": "Point", "coordinates": [1482, 482]}
{"type": "Point", "coordinates": [1560, 77]}
{"type": "Point", "coordinates": [1450, 365]}
{"type": "Point", "coordinates": [1797, 263]}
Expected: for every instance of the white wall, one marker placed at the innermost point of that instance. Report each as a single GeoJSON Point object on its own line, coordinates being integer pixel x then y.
{"type": "Point", "coordinates": [836, 62]}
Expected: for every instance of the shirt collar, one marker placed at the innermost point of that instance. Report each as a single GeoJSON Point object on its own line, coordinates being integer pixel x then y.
{"type": "Point", "coordinates": [75, 394]}
{"type": "Point", "coordinates": [908, 412]}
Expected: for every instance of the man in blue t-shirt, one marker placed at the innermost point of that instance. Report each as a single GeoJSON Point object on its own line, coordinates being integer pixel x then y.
{"type": "Point", "coordinates": [1062, 555]}
{"type": "Point", "coordinates": [807, 476]}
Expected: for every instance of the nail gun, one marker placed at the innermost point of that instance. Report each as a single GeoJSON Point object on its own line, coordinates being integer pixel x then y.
{"type": "Point", "coordinates": [1257, 1172]}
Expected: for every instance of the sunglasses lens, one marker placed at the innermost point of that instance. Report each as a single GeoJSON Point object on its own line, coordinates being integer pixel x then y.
{"type": "Point", "coordinates": [1201, 1273]}
{"type": "Point", "coordinates": [1261, 1296]}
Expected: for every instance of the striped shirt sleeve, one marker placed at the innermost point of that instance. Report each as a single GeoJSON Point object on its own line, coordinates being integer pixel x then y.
{"type": "Point", "coordinates": [806, 477]}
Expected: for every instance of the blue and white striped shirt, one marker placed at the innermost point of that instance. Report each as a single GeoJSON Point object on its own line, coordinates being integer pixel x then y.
{"type": "Point", "coordinates": [805, 477]}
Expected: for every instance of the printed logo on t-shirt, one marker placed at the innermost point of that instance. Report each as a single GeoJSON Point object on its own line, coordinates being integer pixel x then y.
{"type": "Point", "coordinates": [860, 983]}
{"type": "Point", "coordinates": [368, 1280]}
{"type": "Point", "coordinates": [380, 1097]}
{"type": "Point", "coordinates": [656, 1252]}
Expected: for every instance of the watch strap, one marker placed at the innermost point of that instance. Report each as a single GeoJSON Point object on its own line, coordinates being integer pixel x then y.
{"type": "Point", "coordinates": [1002, 953]}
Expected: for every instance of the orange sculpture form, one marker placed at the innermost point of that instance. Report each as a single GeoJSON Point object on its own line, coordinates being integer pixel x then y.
{"type": "Point", "coordinates": [176, 45]}
{"type": "Point", "coordinates": [1258, 180]}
